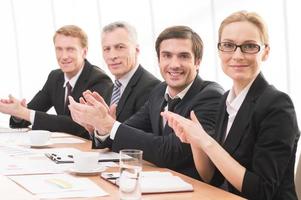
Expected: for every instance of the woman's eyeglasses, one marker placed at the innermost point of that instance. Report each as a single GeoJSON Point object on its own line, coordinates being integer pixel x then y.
{"type": "Point", "coordinates": [250, 48]}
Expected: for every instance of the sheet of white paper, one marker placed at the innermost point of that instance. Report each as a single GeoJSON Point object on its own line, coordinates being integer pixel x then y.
{"type": "Point", "coordinates": [13, 138]}
{"type": "Point", "coordinates": [31, 161]}
{"type": "Point", "coordinates": [52, 184]}
{"type": "Point", "coordinates": [60, 134]}
{"type": "Point", "coordinates": [13, 130]}
{"type": "Point", "coordinates": [21, 138]}
{"type": "Point", "coordinates": [110, 164]}
{"type": "Point", "coordinates": [58, 150]}
{"type": "Point", "coordinates": [11, 191]}
{"type": "Point", "coordinates": [109, 156]}
{"type": "Point", "coordinates": [93, 192]}
{"type": "Point", "coordinates": [15, 150]}
{"type": "Point", "coordinates": [66, 140]}
{"type": "Point", "coordinates": [22, 166]}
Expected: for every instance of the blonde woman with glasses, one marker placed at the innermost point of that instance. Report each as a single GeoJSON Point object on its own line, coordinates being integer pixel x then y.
{"type": "Point", "coordinates": [256, 133]}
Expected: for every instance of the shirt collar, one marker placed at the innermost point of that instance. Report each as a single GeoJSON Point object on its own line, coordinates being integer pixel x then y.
{"type": "Point", "coordinates": [74, 79]}
{"type": "Point", "coordinates": [179, 95]}
{"type": "Point", "coordinates": [234, 102]}
{"type": "Point", "coordinates": [124, 80]}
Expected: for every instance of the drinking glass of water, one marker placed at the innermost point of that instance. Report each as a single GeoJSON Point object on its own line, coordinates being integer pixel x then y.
{"type": "Point", "coordinates": [130, 164]}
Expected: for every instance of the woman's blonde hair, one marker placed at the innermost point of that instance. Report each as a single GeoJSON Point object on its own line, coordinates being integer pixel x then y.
{"type": "Point", "coordinates": [251, 17]}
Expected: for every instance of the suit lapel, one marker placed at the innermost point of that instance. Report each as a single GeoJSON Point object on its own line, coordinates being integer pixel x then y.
{"type": "Point", "coordinates": [81, 83]}
{"type": "Point", "coordinates": [157, 103]}
{"type": "Point", "coordinates": [60, 94]}
{"type": "Point", "coordinates": [128, 89]}
{"type": "Point", "coordinates": [157, 116]}
{"type": "Point", "coordinates": [222, 121]}
{"type": "Point", "coordinates": [182, 107]}
{"type": "Point", "coordinates": [244, 114]}
{"type": "Point", "coordinates": [239, 125]}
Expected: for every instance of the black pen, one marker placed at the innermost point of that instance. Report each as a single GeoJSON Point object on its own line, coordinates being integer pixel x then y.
{"type": "Point", "coordinates": [110, 176]}
{"type": "Point", "coordinates": [113, 178]}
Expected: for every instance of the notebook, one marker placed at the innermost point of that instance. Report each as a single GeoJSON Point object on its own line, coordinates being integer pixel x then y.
{"type": "Point", "coordinates": [154, 182]}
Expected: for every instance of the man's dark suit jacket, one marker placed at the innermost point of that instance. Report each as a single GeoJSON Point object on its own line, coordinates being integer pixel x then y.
{"type": "Point", "coordinates": [144, 130]}
{"type": "Point", "coordinates": [53, 95]}
{"type": "Point", "coordinates": [133, 97]}
{"type": "Point", "coordinates": [263, 138]}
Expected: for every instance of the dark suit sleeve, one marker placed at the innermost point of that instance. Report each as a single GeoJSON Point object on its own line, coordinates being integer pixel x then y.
{"type": "Point", "coordinates": [274, 150]}
{"type": "Point", "coordinates": [41, 101]}
{"type": "Point", "coordinates": [52, 94]}
{"type": "Point", "coordinates": [135, 94]}
{"type": "Point", "coordinates": [103, 85]}
{"type": "Point", "coordinates": [207, 107]}
{"type": "Point", "coordinates": [133, 98]}
{"type": "Point", "coordinates": [147, 83]}
{"type": "Point", "coordinates": [97, 81]}
{"type": "Point", "coordinates": [60, 123]}
{"type": "Point", "coordinates": [141, 120]}
{"type": "Point", "coordinates": [167, 150]}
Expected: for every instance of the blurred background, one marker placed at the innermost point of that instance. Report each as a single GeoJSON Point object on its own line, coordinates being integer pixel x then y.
{"type": "Point", "coordinates": [27, 28]}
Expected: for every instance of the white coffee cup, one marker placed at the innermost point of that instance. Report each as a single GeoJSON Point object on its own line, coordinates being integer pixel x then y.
{"type": "Point", "coordinates": [85, 161]}
{"type": "Point", "coordinates": [39, 137]}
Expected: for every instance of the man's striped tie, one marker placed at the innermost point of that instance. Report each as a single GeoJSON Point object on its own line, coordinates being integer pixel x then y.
{"type": "Point", "coordinates": [116, 93]}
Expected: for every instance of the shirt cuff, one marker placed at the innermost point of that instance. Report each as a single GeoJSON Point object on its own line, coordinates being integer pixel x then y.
{"type": "Point", "coordinates": [114, 129]}
{"type": "Point", "coordinates": [111, 134]}
{"type": "Point", "coordinates": [32, 115]}
{"type": "Point", "coordinates": [101, 137]}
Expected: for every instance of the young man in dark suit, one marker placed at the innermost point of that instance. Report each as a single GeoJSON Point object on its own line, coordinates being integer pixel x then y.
{"type": "Point", "coordinates": [120, 52]}
{"type": "Point", "coordinates": [179, 51]}
{"type": "Point", "coordinates": [75, 76]}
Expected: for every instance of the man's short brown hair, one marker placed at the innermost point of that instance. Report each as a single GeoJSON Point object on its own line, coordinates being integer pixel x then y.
{"type": "Point", "coordinates": [182, 32]}
{"type": "Point", "coordinates": [73, 31]}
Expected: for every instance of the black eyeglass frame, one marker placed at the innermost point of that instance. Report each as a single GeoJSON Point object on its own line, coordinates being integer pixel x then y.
{"type": "Point", "coordinates": [242, 49]}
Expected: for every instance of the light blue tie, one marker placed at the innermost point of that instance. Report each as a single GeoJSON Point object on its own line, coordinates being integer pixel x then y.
{"type": "Point", "coordinates": [116, 93]}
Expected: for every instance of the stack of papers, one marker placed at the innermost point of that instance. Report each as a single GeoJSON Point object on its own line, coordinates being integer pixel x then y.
{"type": "Point", "coordinates": [155, 182]}
{"type": "Point", "coordinates": [20, 160]}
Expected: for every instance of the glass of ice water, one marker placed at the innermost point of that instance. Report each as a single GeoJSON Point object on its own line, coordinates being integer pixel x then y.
{"type": "Point", "coordinates": [130, 164]}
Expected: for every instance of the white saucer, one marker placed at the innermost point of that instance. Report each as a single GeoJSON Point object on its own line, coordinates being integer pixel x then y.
{"type": "Point", "coordinates": [91, 172]}
{"type": "Point", "coordinates": [40, 145]}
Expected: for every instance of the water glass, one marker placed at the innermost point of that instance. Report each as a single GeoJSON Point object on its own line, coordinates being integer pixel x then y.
{"type": "Point", "coordinates": [130, 164]}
